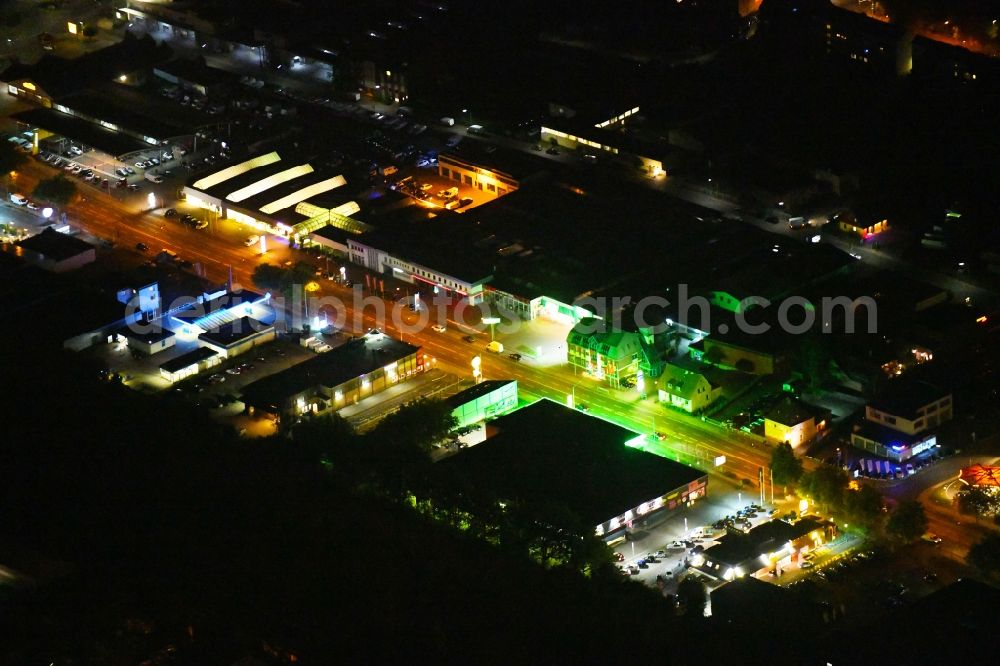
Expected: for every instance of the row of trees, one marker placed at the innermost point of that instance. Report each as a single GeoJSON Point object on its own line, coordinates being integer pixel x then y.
{"type": "Point", "coordinates": [58, 190]}
{"type": "Point", "coordinates": [863, 505]}
{"type": "Point", "coordinates": [393, 461]}
{"type": "Point", "coordinates": [979, 502]}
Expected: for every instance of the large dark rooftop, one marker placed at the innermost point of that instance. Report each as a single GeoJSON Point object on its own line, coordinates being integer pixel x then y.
{"type": "Point", "coordinates": [84, 131]}
{"type": "Point", "coordinates": [55, 245]}
{"type": "Point", "coordinates": [903, 397]}
{"type": "Point", "coordinates": [549, 453]}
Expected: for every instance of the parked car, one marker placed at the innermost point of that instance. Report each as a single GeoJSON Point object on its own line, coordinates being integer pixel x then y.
{"type": "Point", "coordinates": [438, 328]}
{"type": "Point", "coordinates": [170, 212]}
{"type": "Point", "coordinates": [141, 247]}
{"type": "Point", "coordinates": [515, 356]}
{"type": "Point", "coordinates": [251, 240]}
{"type": "Point", "coordinates": [469, 338]}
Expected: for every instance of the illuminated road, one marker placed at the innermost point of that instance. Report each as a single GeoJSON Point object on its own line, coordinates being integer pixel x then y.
{"type": "Point", "coordinates": [218, 248]}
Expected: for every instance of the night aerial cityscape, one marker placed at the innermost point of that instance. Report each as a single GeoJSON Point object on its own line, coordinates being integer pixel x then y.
{"type": "Point", "coordinates": [545, 331]}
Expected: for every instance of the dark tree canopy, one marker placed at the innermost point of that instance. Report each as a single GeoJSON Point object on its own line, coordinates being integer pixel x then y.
{"type": "Point", "coordinates": [908, 521]}
{"type": "Point", "coordinates": [786, 466]}
{"type": "Point", "coordinates": [985, 555]}
{"type": "Point", "coordinates": [11, 158]}
{"type": "Point", "coordinates": [57, 190]}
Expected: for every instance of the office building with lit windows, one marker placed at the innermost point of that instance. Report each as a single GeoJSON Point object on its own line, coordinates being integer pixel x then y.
{"type": "Point", "coordinates": [901, 422]}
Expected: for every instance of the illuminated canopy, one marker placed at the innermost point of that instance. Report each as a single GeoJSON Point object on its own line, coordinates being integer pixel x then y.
{"type": "Point", "coordinates": [269, 182]}
{"type": "Point", "coordinates": [303, 194]}
{"type": "Point", "coordinates": [981, 475]}
{"type": "Point", "coordinates": [236, 170]}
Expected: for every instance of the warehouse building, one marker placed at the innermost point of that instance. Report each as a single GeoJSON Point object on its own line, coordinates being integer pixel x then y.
{"type": "Point", "coordinates": [189, 364]}
{"type": "Point", "coordinates": [238, 336]}
{"type": "Point", "coordinates": [345, 375]}
{"type": "Point", "coordinates": [547, 453]}
{"type": "Point", "coordinates": [495, 171]}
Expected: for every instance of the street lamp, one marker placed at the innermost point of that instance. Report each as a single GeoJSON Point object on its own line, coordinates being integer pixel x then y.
{"type": "Point", "coordinates": [476, 363]}
{"type": "Point", "coordinates": [491, 322]}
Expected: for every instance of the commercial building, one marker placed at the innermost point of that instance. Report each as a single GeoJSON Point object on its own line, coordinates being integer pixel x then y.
{"type": "Point", "coordinates": [54, 251]}
{"type": "Point", "coordinates": [106, 318]}
{"type": "Point", "coordinates": [415, 256]}
{"type": "Point", "coordinates": [488, 168]}
{"type": "Point", "coordinates": [774, 546]}
{"type": "Point", "coordinates": [547, 453]}
{"type": "Point", "coordinates": [238, 336]}
{"type": "Point", "coordinates": [686, 389]}
{"type": "Point", "coordinates": [485, 400]}
{"type": "Point", "coordinates": [794, 422]}
{"type": "Point", "coordinates": [349, 373]}
{"type": "Point", "coordinates": [610, 138]}
{"type": "Point", "coordinates": [95, 100]}
{"type": "Point", "coordinates": [599, 351]}
{"type": "Point", "coordinates": [863, 224]}
{"type": "Point", "coordinates": [213, 311]}
{"type": "Point", "coordinates": [899, 424]}
{"type": "Point", "coordinates": [288, 197]}
{"type": "Point", "coordinates": [149, 340]}
{"type": "Point", "coordinates": [189, 364]}
{"type": "Point", "coordinates": [196, 77]}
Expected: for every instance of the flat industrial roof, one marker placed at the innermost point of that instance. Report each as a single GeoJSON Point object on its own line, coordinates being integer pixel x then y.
{"type": "Point", "coordinates": [227, 301]}
{"type": "Point", "coordinates": [195, 71]}
{"type": "Point", "coordinates": [188, 359]}
{"type": "Point", "coordinates": [477, 391]}
{"type": "Point", "coordinates": [502, 161]}
{"type": "Point", "coordinates": [903, 397]}
{"type": "Point", "coordinates": [55, 245]}
{"type": "Point", "coordinates": [88, 133]}
{"type": "Point", "coordinates": [348, 361]}
{"type": "Point", "coordinates": [105, 107]}
{"type": "Point", "coordinates": [547, 452]}
{"type": "Point", "coordinates": [236, 331]}
{"type": "Point", "coordinates": [273, 184]}
{"type": "Point", "coordinates": [155, 334]}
